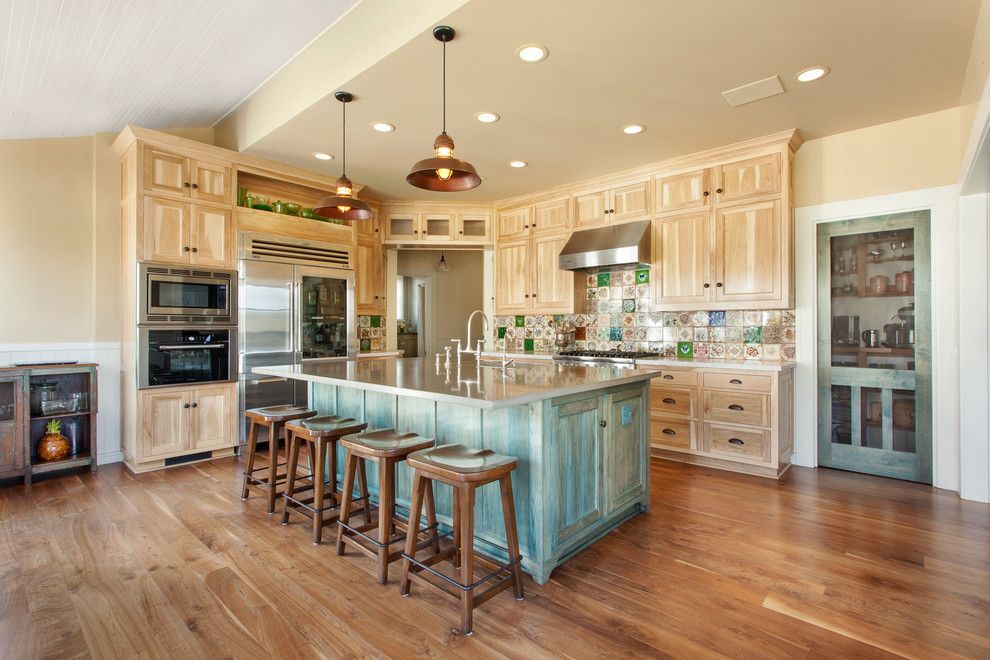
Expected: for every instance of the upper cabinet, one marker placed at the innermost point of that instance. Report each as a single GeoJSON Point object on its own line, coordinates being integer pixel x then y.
{"type": "Point", "coordinates": [369, 277]}
{"type": "Point", "coordinates": [749, 253]}
{"type": "Point", "coordinates": [683, 192]}
{"type": "Point", "coordinates": [443, 225]}
{"type": "Point", "coordinates": [514, 223]}
{"type": "Point", "coordinates": [744, 179]}
{"type": "Point", "coordinates": [618, 204]}
{"type": "Point", "coordinates": [181, 233]}
{"type": "Point", "coordinates": [166, 173]}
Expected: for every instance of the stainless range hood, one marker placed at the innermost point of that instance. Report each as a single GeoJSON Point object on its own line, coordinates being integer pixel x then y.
{"type": "Point", "coordinates": [616, 245]}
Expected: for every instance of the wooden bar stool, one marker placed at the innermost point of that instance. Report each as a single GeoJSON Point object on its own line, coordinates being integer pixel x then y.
{"type": "Point", "coordinates": [464, 469]}
{"type": "Point", "coordinates": [387, 448]}
{"type": "Point", "coordinates": [274, 419]}
{"type": "Point", "coordinates": [321, 435]}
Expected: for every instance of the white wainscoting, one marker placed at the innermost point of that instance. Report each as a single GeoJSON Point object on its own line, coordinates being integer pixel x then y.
{"type": "Point", "coordinates": [105, 354]}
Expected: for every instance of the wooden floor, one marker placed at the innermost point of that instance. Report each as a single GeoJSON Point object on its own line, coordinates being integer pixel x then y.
{"type": "Point", "coordinates": [174, 564]}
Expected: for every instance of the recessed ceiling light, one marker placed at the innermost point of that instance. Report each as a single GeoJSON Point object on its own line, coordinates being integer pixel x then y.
{"type": "Point", "coordinates": [518, 163]}
{"type": "Point", "coordinates": [812, 73]}
{"type": "Point", "coordinates": [487, 117]}
{"type": "Point", "coordinates": [382, 126]}
{"type": "Point", "coordinates": [633, 129]}
{"type": "Point", "coordinates": [319, 155]}
{"type": "Point", "coordinates": [532, 53]}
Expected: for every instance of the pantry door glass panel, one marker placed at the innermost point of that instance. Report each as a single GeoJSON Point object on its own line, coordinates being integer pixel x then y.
{"type": "Point", "coordinates": [874, 345]}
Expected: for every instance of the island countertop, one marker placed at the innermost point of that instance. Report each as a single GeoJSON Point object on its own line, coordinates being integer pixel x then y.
{"type": "Point", "coordinates": [483, 386]}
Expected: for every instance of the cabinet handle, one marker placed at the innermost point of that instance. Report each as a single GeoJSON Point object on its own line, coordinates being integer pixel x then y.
{"type": "Point", "coordinates": [195, 405]}
{"type": "Point", "coordinates": [461, 231]}
{"type": "Point", "coordinates": [195, 186]}
{"type": "Point", "coordinates": [185, 405]}
{"type": "Point", "coordinates": [718, 284]}
{"type": "Point", "coordinates": [736, 406]}
{"type": "Point", "coordinates": [185, 248]}
{"type": "Point", "coordinates": [669, 400]}
{"type": "Point", "coordinates": [718, 190]}
{"type": "Point", "coordinates": [736, 381]}
{"type": "Point", "coordinates": [534, 295]}
{"type": "Point", "coordinates": [707, 285]}
{"type": "Point", "coordinates": [736, 441]}
{"type": "Point", "coordinates": [526, 295]}
{"type": "Point", "coordinates": [376, 230]}
{"type": "Point", "coordinates": [706, 193]}
{"type": "Point", "coordinates": [669, 432]}
{"type": "Point", "coordinates": [603, 423]}
{"type": "Point", "coordinates": [195, 249]}
{"type": "Point", "coordinates": [668, 377]}
{"type": "Point", "coordinates": [185, 184]}
{"type": "Point", "coordinates": [525, 226]}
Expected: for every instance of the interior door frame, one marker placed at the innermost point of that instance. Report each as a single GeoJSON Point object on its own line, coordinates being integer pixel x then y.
{"type": "Point", "coordinates": [921, 378]}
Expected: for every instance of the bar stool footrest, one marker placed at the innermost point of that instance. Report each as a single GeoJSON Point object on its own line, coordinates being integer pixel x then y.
{"type": "Point", "coordinates": [500, 568]}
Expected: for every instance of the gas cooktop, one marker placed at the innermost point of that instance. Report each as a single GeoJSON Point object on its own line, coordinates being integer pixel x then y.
{"type": "Point", "coordinates": [627, 358]}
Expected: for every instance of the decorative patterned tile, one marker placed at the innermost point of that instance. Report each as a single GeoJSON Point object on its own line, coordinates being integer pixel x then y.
{"type": "Point", "coordinates": [684, 319]}
{"type": "Point", "coordinates": [615, 305]}
{"type": "Point", "coordinates": [670, 318]}
{"type": "Point", "coordinates": [716, 350]}
{"type": "Point", "coordinates": [641, 334]}
{"type": "Point", "coordinates": [789, 352]}
{"type": "Point", "coordinates": [520, 321]}
{"type": "Point", "coordinates": [376, 321]}
{"type": "Point", "coordinates": [772, 351]}
{"type": "Point", "coordinates": [591, 281]}
{"type": "Point", "coordinates": [733, 334]}
{"type": "Point", "coordinates": [643, 291]}
{"type": "Point", "coordinates": [364, 333]}
{"type": "Point", "coordinates": [615, 334]}
{"type": "Point", "coordinates": [628, 320]}
{"type": "Point", "coordinates": [787, 334]}
{"type": "Point", "coordinates": [669, 333]}
{"type": "Point", "coordinates": [528, 345]}
{"type": "Point", "coordinates": [365, 344]}
{"type": "Point", "coordinates": [602, 333]}
{"type": "Point", "coordinates": [615, 319]}
{"type": "Point", "coordinates": [699, 318]}
{"type": "Point", "coordinates": [734, 317]}
{"type": "Point", "coordinates": [735, 351]}
{"type": "Point", "coordinates": [716, 333]}
{"type": "Point", "coordinates": [787, 317]}
{"type": "Point", "coordinates": [629, 291]}
{"type": "Point", "coordinates": [643, 319]}
{"type": "Point", "coordinates": [604, 292]}
{"type": "Point", "coordinates": [376, 333]}
{"type": "Point", "coordinates": [603, 279]}
{"type": "Point", "coordinates": [519, 343]}
{"type": "Point", "coordinates": [753, 334]}
{"type": "Point", "coordinates": [685, 349]}
{"type": "Point", "coordinates": [753, 318]}
{"type": "Point", "coordinates": [530, 321]}
{"type": "Point", "coordinates": [629, 334]}
{"type": "Point", "coordinates": [628, 277]}
{"type": "Point", "coordinates": [772, 334]}
{"type": "Point", "coordinates": [364, 321]}
{"type": "Point", "coordinates": [580, 334]}
{"type": "Point", "coordinates": [643, 276]}
{"type": "Point", "coordinates": [669, 350]}
{"type": "Point", "coordinates": [685, 334]}
{"type": "Point", "coordinates": [628, 305]}
{"type": "Point", "coordinates": [603, 307]}
{"type": "Point", "coordinates": [700, 334]}
{"type": "Point", "coordinates": [772, 317]}
{"type": "Point", "coordinates": [754, 351]}
{"type": "Point", "coordinates": [716, 318]}
{"type": "Point", "coordinates": [701, 349]}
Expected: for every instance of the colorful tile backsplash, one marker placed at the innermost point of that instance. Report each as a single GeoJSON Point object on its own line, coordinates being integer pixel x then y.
{"type": "Point", "coordinates": [617, 315]}
{"type": "Point", "coordinates": [371, 334]}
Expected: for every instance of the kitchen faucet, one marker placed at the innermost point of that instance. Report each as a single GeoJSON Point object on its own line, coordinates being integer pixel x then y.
{"type": "Point", "coordinates": [484, 330]}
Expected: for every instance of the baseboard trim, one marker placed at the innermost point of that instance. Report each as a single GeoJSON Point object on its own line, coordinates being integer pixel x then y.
{"type": "Point", "coordinates": [109, 457]}
{"type": "Point", "coordinates": [60, 346]}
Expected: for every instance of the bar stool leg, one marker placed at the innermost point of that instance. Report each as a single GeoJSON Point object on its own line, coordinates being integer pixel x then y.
{"type": "Point", "coordinates": [415, 505]}
{"type": "Point", "coordinates": [431, 518]}
{"type": "Point", "coordinates": [362, 477]}
{"type": "Point", "coordinates": [332, 459]}
{"type": "Point", "coordinates": [290, 480]}
{"type": "Point", "coordinates": [273, 430]}
{"type": "Point", "coordinates": [466, 496]}
{"type": "Point", "coordinates": [456, 526]}
{"type": "Point", "coordinates": [347, 494]}
{"type": "Point", "coordinates": [318, 481]}
{"type": "Point", "coordinates": [385, 497]}
{"type": "Point", "coordinates": [252, 450]}
{"type": "Point", "coordinates": [511, 535]}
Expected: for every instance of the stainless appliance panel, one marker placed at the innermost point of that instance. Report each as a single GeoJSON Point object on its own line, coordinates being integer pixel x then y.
{"type": "Point", "coordinates": [266, 308]}
{"type": "Point", "coordinates": [168, 295]}
{"type": "Point", "coordinates": [613, 245]}
{"type": "Point", "coordinates": [184, 356]}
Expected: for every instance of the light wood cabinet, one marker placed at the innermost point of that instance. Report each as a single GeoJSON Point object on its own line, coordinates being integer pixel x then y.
{"type": "Point", "coordinates": [683, 257]}
{"type": "Point", "coordinates": [514, 223]}
{"type": "Point", "coordinates": [437, 227]}
{"type": "Point", "coordinates": [188, 234]}
{"type": "Point", "coordinates": [369, 277]}
{"type": "Point", "coordinates": [367, 228]}
{"type": "Point", "coordinates": [528, 278]}
{"type": "Point", "coordinates": [552, 217]}
{"type": "Point", "coordinates": [401, 226]}
{"type": "Point", "coordinates": [474, 227]}
{"type": "Point", "coordinates": [513, 276]}
{"type": "Point", "coordinates": [441, 226]}
{"type": "Point", "coordinates": [749, 254]}
{"type": "Point", "coordinates": [173, 174]}
{"type": "Point", "coordinates": [744, 423]}
{"type": "Point", "coordinates": [684, 191]}
{"type": "Point", "coordinates": [620, 204]}
{"type": "Point", "coordinates": [552, 288]}
{"type": "Point", "coordinates": [753, 177]}
{"type": "Point", "coordinates": [178, 420]}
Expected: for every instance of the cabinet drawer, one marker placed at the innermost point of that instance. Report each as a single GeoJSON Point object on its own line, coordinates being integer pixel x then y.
{"type": "Point", "coordinates": [672, 432]}
{"type": "Point", "coordinates": [737, 408]}
{"type": "Point", "coordinates": [673, 401]}
{"type": "Point", "coordinates": [736, 443]}
{"type": "Point", "coordinates": [744, 382]}
{"type": "Point", "coordinates": [674, 377]}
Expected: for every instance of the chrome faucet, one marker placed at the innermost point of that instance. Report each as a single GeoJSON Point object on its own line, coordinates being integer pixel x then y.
{"type": "Point", "coordinates": [484, 331]}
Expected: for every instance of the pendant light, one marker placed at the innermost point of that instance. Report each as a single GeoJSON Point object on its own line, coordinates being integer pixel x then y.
{"type": "Point", "coordinates": [343, 205]}
{"type": "Point", "coordinates": [443, 266]}
{"type": "Point", "coordinates": [443, 172]}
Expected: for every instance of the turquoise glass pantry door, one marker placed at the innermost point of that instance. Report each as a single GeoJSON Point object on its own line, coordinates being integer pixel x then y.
{"type": "Point", "coordinates": [874, 346]}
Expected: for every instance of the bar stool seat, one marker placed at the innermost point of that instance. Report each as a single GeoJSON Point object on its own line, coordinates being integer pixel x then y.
{"type": "Point", "coordinates": [274, 418]}
{"type": "Point", "coordinates": [387, 448]}
{"type": "Point", "coordinates": [321, 434]}
{"type": "Point", "coordinates": [464, 469]}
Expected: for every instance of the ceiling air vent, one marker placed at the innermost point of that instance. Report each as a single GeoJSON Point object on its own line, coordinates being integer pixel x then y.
{"type": "Point", "coordinates": [754, 91]}
{"type": "Point", "coordinates": [296, 252]}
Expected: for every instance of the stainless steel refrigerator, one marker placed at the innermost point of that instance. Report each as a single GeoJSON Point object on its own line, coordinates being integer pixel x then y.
{"type": "Point", "coordinates": [295, 305]}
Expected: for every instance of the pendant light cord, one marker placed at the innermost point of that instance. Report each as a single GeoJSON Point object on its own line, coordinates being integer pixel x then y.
{"type": "Point", "coordinates": [444, 86]}
{"type": "Point", "coordinates": [343, 164]}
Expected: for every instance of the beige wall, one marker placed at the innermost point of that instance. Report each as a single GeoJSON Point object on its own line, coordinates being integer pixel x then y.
{"type": "Point", "coordinates": [46, 238]}
{"type": "Point", "coordinates": [909, 154]}
{"type": "Point", "coordinates": [457, 292]}
{"type": "Point", "coordinates": [977, 69]}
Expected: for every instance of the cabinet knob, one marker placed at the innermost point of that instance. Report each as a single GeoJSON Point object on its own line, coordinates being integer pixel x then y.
{"type": "Point", "coordinates": [195, 405]}
{"type": "Point", "coordinates": [706, 193]}
{"type": "Point", "coordinates": [534, 295]}
{"type": "Point", "coordinates": [525, 226]}
{"type": "Point", "coordinates": [185, 184]}
{"type": "Point", "coordinates": [185, 248]}
{"type": "Point", "coordinates": [707, 285]}
{"type": "Point", "coordinates": [461, 231]}
{"type": "Point", "coordinates": [718, 284]}
{"type": "Point", "coordinates": [376, 230]}
{"type": "Point", "coordinates": [195, 249]}
{"type": "Point", "coordinates": [526, 295]}
{"type": "Point", "coordinates": [185, 405]}
{"type": "Point", "coordinates": [718, 190]}
{"type": "Point", "coordinates": [603, 423]}
{"type": "Point", "coordinates": [195, 186]}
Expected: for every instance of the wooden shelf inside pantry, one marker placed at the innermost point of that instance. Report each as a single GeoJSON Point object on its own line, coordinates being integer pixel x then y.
{"type": "Point", "coordinates": [78, 413]}
{"type": "Point", "coordinates": [82, 459]}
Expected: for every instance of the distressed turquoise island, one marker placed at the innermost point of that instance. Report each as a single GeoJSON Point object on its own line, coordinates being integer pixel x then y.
{"type": "Point", "coordinates": [581, 434]}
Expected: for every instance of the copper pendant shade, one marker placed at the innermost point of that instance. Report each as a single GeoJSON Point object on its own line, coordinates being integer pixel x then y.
{"type": "Point", "coordinates": [443, 172]}
{"type": "Point", "coordinates": [343, 205]}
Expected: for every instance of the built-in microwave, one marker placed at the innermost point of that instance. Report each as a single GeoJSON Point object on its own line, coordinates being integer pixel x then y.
{"type": "Point", "coordinates": [186, 356]}
{"type": "Point", "coordinates": [170, 295]}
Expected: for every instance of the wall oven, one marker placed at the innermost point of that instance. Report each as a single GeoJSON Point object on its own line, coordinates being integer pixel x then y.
{"type": "Point", "coordinates": [170, 295]}
{"type": "Point", "coordinates": [185, 356]}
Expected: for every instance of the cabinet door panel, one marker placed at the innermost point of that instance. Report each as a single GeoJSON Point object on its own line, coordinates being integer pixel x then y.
{"type": "Point", "coordinates": [165, 172]}
{"type": "Point", "coordinates": [553, 217]}
{"type": "Point", "coordinates": [437, 227]}
{"type": "Point", "coordinates": [164, 419]}
{"type": "Point", "coordinates": [474, 227]}
{"type": "Point", "coordinates": [166, 231]}
{"type": "Point", "coordinates": [630, 202]}
{"type": "Point", "coordinates": [211, 182]}
{"type": "Point", "coordinates": [514, 223]}
{"type": "Point", "coordinates": [625, 451]}
{"type": "Point", "coordinates": [749, 178]}
{"type": "Point", "coordinates": [369, 296]}
{"type": "Point", "coordinates": [553, 289]}
{"type": "Point", "coordinates": [672, 432]}
{"type": "Point", "coordinates": [402, 226]}
{"type": "Point", "coordinates": [512, 276]}
{"type": "Point", "coordinates": [366, 228]}
{"type": "Point", "coordinates": [11, 425]}
{"type": "Point", "coordinates": [212, 237]}
{"type": "Point", "coordinates": [682, 192]}
{"type": "Point", "coordinates": [589, 209]}
{"type": "Point", "coordinates": [577, 459]}
{"type": "Point", "coordinates": [212, 425]}
{"type": "Point", "coordinates": [682, 254]}
{"type": "Point", "coordinates": [748, 253]}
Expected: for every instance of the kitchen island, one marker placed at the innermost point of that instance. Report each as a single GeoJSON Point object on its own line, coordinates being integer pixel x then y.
{"type": "Point", "coordinates": [581, 435]}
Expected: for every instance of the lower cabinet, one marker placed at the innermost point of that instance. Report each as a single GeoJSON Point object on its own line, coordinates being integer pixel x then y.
{"type": "Point", "coordinates": [730, 419]}
{"type": "Point", "coordinates": [185, 420]}
{"type": "Point", "coordinates": [599, 456]}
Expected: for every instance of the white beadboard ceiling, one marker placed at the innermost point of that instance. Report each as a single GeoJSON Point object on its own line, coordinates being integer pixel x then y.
{"type": "Point", "coordinates": [75, 67]}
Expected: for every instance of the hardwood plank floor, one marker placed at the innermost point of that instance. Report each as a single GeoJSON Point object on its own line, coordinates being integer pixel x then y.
{"type": "Point", "coordinates": [822, 563]}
